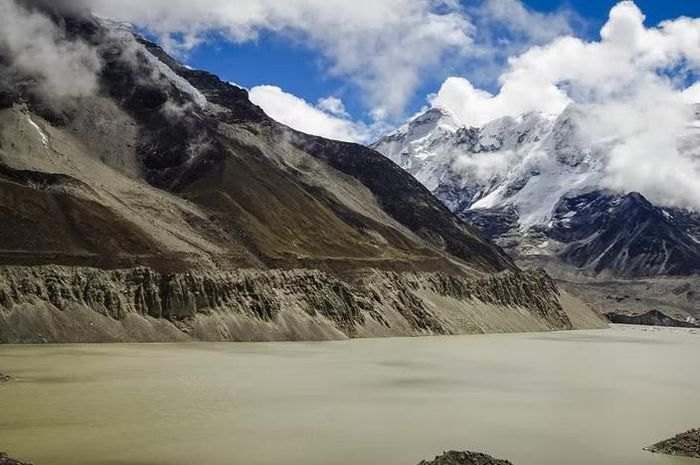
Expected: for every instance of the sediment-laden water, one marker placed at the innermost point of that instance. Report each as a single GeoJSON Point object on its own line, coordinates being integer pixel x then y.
{"type": "Point", "coordinates": [569, 398]}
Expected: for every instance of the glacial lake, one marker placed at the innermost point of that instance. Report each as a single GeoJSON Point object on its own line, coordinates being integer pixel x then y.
{"type": "Point", "coordinates": [567, 398]}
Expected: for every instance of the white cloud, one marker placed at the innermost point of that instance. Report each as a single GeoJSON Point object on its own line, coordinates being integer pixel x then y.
{"type": "Point", "coordinates": [486, 167]}
{"type": "Point", "coordinates": [520, 25]}
{"type": "Point", "coordinates": [625, 82]}
{"type": "Point", "coordinates": [474, 107]}
{"type": "Point", "coordinates": [644, 155]}
{"type": "Point", "coordinates": [325, 119]}
{"type": "Point", "coordinates": [36, 47]}
{"type": "Point", "coordinates": [334, 106]}
{"type": "Point", "coordinates": [628, 58]}
{"type": "Point", "coordinates": [506, 28]}
{"type": "Point", "coordinates": [692, 94]}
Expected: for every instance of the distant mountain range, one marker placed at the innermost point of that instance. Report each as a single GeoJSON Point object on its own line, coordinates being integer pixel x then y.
{"type": "Point", "coordinates": [534, 185]}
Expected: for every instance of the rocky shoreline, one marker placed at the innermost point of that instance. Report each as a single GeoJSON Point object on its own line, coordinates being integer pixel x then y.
{"type": "Point", "coordinates": [685, 444]}
{"type": "Point", "coordinates": [6, 460]}
{"type": "Point", "coordinates": [465, 458]}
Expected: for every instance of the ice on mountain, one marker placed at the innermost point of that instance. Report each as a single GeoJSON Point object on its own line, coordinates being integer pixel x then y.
{"type": "Point", "coordinates": [42, 134]}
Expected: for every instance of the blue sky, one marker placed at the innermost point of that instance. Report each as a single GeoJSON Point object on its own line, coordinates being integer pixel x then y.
{"type": "Point", "coordinates": [275, 60]}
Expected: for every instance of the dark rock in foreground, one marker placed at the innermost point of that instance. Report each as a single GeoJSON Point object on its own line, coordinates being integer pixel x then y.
{"type": "Point", "coordinates": [685, 444]}
{"type": "Point", "coordinates": [5, 379]}
{"type": "Point", "coordinates": [5, 460]}
{"type": "Point", "coordinates": [465, 458]}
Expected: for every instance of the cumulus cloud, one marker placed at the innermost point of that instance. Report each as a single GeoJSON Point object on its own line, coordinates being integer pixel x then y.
{"type": "Point", "coordinates": [632, 87]}
{"type": "Point", "coordinates": [32, 45]}
{"type": "Point", "coordinates": [474, 107]}
{"type": "Point", "coordinates": [506, 28]}
{"type": "Point", "coordinates": [334, 106]}
{"type": "Point", "coordinates": [628, 58]}
{"type": "Point", "coordinates": [327, 119]}
{"type": "Point", "coordinates": [644, 149]}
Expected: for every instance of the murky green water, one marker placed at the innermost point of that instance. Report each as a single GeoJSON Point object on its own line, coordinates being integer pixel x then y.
{"type": "Point", "coordinates": [593, 398]}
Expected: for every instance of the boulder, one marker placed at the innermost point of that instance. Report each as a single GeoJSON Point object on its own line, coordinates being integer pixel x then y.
{"type": "Point", "coordinates": [465, 458]}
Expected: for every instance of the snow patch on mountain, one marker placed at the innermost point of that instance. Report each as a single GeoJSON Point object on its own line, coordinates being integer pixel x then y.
{"type": "Point", "coordinates": [37, 128]}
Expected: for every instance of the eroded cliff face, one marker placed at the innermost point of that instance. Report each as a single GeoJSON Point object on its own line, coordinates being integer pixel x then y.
{"type": "Point", "coordinates": [70, 304]}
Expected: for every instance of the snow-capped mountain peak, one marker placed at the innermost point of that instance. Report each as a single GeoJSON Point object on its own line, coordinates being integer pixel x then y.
{"type": "Point", "coordinates": [522, 178]}
{"type": "Point", "coordinates": [527, 162]}
{"type": "Point", "coordinates": [414, 145]}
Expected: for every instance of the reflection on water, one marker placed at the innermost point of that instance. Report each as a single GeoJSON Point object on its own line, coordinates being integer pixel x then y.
{"type": "Point", "coordinates": [593, 398]}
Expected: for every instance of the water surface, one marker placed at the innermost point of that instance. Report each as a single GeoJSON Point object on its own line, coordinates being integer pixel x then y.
{"type": "Point", "coordinates": [569, 398]}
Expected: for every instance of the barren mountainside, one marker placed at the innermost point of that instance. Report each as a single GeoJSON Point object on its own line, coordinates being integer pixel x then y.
{"type": "Point", "coordinates": [182, 170]}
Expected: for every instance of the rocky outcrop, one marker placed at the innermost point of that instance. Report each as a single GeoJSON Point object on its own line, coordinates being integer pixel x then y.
{"type": "Point", "coordinates": [465, 458]}
{"type": "Point", "coordinates": [685, 444]}
{"type": "Point", "coordinates": [59, 304]}
{"type": "Point", "coordinates": [651, 318]}
{"type": "Point", "coordinates": [6, 460]}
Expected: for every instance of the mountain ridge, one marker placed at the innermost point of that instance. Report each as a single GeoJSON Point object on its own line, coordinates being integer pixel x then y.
{"type": "Point", "coordinates": [534, 185]}
{"type": "Point", "coordinates": [181, 141]}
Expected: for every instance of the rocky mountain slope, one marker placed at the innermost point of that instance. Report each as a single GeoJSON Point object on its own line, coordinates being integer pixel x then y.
{"type": "Point", "coordinates": [534, 185]}
{"type": "Point", "coordinates": [174, 168]}
{"type": "Point", "coordinates": [171, 169]}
